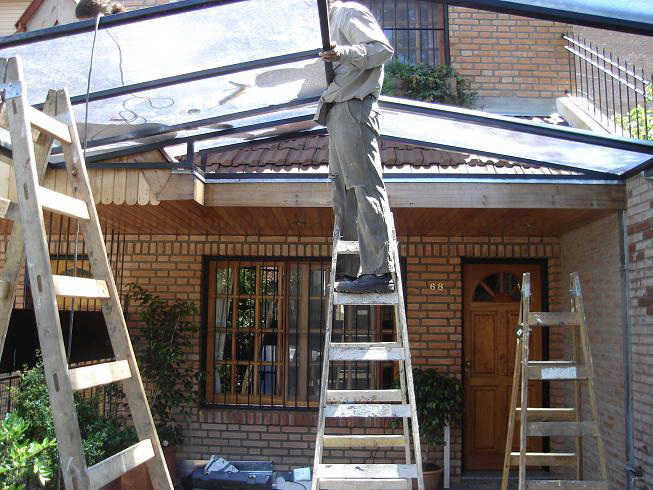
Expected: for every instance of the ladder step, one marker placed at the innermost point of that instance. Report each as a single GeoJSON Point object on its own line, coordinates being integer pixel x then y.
{"type": "Point", "coordinates": [117, 465]}
{"type": "Point", "coordinates": [358, 396]}
{"type": "Point", "coordinates": [48, 124]}
{"type": "Point", "coordinates": [366, 471]}
{"type": "Point", "coordinates": [80, 287]}
{"type": "Point", "coordinates": [366, 351]}
{"type": "Point", "coordinates": [365, 299]}
{"type": "Point", "coordinates": [549, 414]}
{"type": "Point", "coordinates": [566, 485]}
{"type": "Point", "coordinates": [543, 429]}
{"type": "Point", "coordinates": [372, 441]}
{"type": "Point", "coordinates": [554, 318]}
{"type": "Point", "coordinates": [99, 374]}
{"type": "Point", "coordinates": [345, 247]}
{"type": "Point", "coordinates": [5, 205]}
{"type": "Point", "coordinates": [369, 410]}
{"type": "Point", "coordinates": [380, 484]}
{"type": "Point", "coordinates": [63, 204]}
{"type": "Point", "coordinates": [555, 370]}
{"type": "Point", "coordinates": [545, 459]}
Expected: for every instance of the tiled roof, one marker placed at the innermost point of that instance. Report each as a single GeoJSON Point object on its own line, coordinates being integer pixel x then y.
{"type": "Point", "coordinates": [310, 154]}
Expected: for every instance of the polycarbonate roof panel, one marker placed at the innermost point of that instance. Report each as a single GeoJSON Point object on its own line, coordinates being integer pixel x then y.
{"type": "Point", "coordinates": [132, 115]}
{"type": "Point", "coordinates": [473, 132]}
{"type": "Point", "coordinates": [159, 47]}
{"type": "Point", "coordinates": [633, 16]}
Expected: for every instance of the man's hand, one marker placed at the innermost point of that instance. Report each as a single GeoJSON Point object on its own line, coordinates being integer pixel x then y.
{"type": "Point", "coordinates": [333, 54]}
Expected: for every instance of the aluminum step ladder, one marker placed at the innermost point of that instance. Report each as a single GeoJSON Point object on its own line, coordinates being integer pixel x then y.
{"type": "Point", "coordinates": [32, 134]}
{"type": "Point", "coordinates": [355, 404]}
{"type": "Point", "coordinates": [553, 422]}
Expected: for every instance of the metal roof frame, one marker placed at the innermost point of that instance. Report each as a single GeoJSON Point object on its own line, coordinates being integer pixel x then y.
{"type": "Point", "coordinates": [557, 15]}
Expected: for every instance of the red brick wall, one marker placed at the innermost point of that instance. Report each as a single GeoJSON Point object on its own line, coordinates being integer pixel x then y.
{"type": "Point", "coordinates": [640, 249]}
{"type": "Point", "coordinates": [594, 252]}
{"type": "Point", "coordinates": [170, 266]}
{"type": "Point", "coordinates": [506, 55]}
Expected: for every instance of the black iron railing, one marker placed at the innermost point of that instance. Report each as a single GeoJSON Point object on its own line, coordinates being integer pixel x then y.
{"type": "Point", "coordinates": [616, 93]}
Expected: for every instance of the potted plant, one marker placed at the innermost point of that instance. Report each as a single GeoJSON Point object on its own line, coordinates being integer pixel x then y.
{"type": "Point", "coordinates": [162, 343]}
{"type": "Point", "coordinates": [439, 402]}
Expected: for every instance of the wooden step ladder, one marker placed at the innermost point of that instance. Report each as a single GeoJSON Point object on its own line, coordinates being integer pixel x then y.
{"type": "Point", "coordinates": [32, 133]}
{"type": "Point", "coordinates": [396, 403]}
{"type": "Point", "coordinates": [558, 422]}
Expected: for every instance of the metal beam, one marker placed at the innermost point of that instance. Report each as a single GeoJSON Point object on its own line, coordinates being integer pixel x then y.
{"type": "Point", "coordinates": [566, 16]}
{"type": "Point", "coordinates": [108, 21]}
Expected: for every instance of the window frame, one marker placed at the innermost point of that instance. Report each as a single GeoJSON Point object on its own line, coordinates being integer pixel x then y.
{"type": "Point", "coordinates": [285, 401]}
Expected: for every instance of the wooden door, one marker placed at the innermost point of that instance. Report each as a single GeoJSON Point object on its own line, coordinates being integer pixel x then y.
{"type": "Point", "coordinates": [491, 312]}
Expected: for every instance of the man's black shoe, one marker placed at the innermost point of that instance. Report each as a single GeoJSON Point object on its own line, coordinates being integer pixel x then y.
{"type": "Point", "coordinates": [342, 277]}
{"type": "Point", "coordinates": [368, 283]}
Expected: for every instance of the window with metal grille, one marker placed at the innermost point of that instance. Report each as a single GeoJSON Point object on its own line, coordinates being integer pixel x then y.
{"type": "Point", "coordinates": [265, 334]}
{"type": "Point", "coordinates": [417, 29]}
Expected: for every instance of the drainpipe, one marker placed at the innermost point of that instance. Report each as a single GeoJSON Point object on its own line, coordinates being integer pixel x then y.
{"type": "Point", "coordinates": [631, 471]}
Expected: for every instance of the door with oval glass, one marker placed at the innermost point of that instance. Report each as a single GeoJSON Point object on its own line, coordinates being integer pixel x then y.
{"type": "Point", "coordinates": [491, 312]}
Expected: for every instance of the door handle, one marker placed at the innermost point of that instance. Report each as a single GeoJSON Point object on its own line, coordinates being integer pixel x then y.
{"type": "Point", "coordinates": [468, 364]}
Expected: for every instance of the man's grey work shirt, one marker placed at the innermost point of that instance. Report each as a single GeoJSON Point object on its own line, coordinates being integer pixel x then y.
{"type": "Point", "coordinates": [359, 72]}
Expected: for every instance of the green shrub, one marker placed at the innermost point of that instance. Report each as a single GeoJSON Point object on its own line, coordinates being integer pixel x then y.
{"type": "Point", "coordinates": [22, 460]}
{"type": "Point", "coordinates": [638, 122]}
{"type": "Point", "coordinates": [101, 436]}
{"type": "Point", "coordinates": [162, 345]}
{"type": "Point", "coordinates": [439, 84]}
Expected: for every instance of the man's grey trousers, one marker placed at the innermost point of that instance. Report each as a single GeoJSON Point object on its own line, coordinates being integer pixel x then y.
{"type": "Point", "coordinates": [358, 194]}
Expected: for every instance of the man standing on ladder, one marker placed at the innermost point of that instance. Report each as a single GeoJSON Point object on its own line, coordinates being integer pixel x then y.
{"type": "Point", "coordinates": [349, 109]}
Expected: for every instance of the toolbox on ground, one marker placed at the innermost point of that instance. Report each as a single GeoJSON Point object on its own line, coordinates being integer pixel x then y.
{"type": "Point", "coordinates": [251, 475]}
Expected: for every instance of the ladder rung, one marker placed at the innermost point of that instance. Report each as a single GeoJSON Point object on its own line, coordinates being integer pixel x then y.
{"type": "Point", "coordinates": [63, 204]}
{"type": "Point", "coordinates": [543, 429]}
{"type": "Point", "coordinates": [555, 370]}
{"type": "Point", "coordinates": [5, 205]}
{"type": "Point", "coordinates": [372, 441]}
{"type": "Point", "coordinates": [554, 318]}
{"type": "Point", "coordinates": [545, 459]}
{"type": "Point", "coordinates": [366, 471]}
{"type": "Point", "coordinates": [117, 465]}
{"type": "Point", "coordinates": [345, 247]}
{"type": "Point", "coordinates": [549, 414]}
{"type": "Point", "coordinates": [49, 125]}
{"type": "Point", "coordinates": [380, 484]}
{"type": "Point", "coordinates": [566, 485]}
{"type": "Point", "coordinates": [365, 299]}
{"type": "Point", "coordinates": [80, 287]}
{"type": "Point", "coordinates": [358, 396]}
{"type": "Point", "coordinates": [366, 410]}
{"type": "Point", "coordinates": [99, 374]}
{"type": "Point", "coordinates": [366, 351]}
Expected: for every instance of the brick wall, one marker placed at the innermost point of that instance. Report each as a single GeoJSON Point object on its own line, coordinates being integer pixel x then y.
{"type": "Point", "coordinates": [640, 249]}
{"type": "Point", "coordinates": [594, 252]}
{"type": "Point", "coordinates": [507, 55]}
{"type": "Point", "coordinates": [170, 266]}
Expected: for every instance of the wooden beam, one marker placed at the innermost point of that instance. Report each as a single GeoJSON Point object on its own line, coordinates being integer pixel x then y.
{"type": "Point", "coordinates": [426, 195]}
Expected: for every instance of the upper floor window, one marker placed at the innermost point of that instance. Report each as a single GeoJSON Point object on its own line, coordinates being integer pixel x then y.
{"type": "Point", "coordinates": [416, 28]}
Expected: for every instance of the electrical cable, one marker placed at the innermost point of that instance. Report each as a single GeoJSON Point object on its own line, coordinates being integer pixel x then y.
{"type": "Point", "coordinates": [75, 256]}
{"type": "Point", "coordinates": [297, 483]}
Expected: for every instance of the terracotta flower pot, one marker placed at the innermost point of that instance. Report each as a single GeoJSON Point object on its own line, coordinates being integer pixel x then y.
{"type": "Point", "coordinates": [431, 479]}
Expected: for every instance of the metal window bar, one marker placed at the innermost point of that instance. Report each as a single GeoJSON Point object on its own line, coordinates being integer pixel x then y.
{"type": "Point", "coordinates": [615, 92]}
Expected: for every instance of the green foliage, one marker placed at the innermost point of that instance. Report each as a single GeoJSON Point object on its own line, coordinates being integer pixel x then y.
{"type": "Point", "coordinates": [163, 343]}
{"type": "Point", "coordinates": [22, 459]}
{"type": "Point", "coordinates": [638, 123]}
{"type": "Point", "coordinates": [439, 400]}
{"type": "Point", "coordinates": [101, 437]}
{"type": "Point", "coordinates": [440, 84]}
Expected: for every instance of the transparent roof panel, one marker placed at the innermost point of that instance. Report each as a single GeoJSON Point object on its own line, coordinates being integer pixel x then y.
{"type": "Point", "coordinates": [624, 15]}
{"type": "Point", "coordinates": [200, 103]}
{"type": "Point", "coordinates": [473, 132]}
{"type": "Point", "coordinates": [170, 45]}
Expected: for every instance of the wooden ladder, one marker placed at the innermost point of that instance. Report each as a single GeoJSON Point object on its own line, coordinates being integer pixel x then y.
{"type": "Point", "coordinates": [368, 403]}
{"type": "Point", "coordinates": [558, 422]}
{"type": "Point", "coordinates": [32, 133]}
